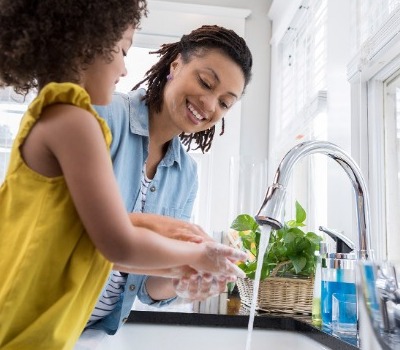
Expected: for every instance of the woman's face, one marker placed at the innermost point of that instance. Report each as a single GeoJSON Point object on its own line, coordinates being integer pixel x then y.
{"type": "Point", "coordinates": [202, 91]}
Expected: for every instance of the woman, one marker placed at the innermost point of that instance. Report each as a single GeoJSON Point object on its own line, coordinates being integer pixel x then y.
{"type": "Point", "coordinates": [194, 84]}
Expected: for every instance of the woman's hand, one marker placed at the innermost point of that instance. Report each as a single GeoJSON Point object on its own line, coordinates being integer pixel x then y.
{"type": "Point", "coordinates": [170, 227]}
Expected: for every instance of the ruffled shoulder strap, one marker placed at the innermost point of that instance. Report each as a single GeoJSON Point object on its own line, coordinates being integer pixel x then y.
{"type": "Point", "coordinates": [67, 93]}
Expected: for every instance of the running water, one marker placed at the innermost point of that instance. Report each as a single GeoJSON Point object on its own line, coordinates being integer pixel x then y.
{"type": "Point", "coordinates": [264, 239]}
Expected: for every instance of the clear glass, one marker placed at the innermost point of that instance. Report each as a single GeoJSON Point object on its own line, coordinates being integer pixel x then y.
{"type": "Point", "coordinates": [247, 185]}
{"type": "Point", "coordinates": [344, 314]}
{"type": "Point", "coordinates": [378, 287]}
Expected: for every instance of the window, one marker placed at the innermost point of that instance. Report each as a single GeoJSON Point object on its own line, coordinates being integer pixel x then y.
{"type": "Point", "coordinates": [303, 65]}
{"type": "Point", "coordinates": [12, 107]}
{"type": "Point", "coordinates": [301, 94]}
{"type": "Point", "coordinates": [137, 62]}
{"type": "Point", "coordinates": [311, 100]}
{"type": "Point", "coordinates": [373, 73]}
{"type": "Point", "coordinates": [391, 116]}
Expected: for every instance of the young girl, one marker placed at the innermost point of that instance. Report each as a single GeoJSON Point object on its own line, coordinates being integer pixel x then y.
{"type": "Point", "coordinates": [193, 86]}
{"type": "Point", "coordinates": [62, 220]}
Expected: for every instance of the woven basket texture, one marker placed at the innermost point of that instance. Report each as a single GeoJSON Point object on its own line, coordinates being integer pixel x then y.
{"type": "Point", "coordinates": [279, 294]}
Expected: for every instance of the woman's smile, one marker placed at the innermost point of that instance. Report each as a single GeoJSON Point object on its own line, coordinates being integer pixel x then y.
{"type": "Point", "coordinates": [195, 115]}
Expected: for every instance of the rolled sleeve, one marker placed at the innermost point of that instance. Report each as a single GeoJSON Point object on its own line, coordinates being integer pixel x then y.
{"type": "Point", "coordinates": [145, 298]}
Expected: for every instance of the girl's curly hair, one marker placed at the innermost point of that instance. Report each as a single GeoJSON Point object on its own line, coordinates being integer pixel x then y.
{"type": "Point", "coordinates": [196, 43]}
{"type": "Point", "coordinates": [50, 40]}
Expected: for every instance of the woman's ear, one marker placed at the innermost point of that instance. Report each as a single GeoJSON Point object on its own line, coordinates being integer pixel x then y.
{"type": "Point", "coordinates": [175, 64]}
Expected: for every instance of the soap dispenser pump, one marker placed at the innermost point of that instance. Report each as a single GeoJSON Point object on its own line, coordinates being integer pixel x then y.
{"type": "Point", "coordinates": [337, 272]}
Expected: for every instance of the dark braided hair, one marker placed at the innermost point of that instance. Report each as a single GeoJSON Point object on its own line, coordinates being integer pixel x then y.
{"type": "Point", "coordinates": [199, 41]}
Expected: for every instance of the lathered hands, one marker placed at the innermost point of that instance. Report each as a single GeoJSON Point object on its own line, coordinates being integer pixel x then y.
{"type": "Point", "coordinates": [204, 284]}
{"type": "Point", "coordinates": [219, 259]}
{"type": "Point", "coordinates": [201, 286]}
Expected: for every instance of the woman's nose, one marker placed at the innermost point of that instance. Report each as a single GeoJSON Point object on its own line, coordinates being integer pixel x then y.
{"type": "Point", "coordinates": [124, 72]}
{"type": "Point", "coordinates": [209, 102]}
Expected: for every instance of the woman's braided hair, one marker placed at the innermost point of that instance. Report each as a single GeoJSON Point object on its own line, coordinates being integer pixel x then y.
{"type": "Point", "coordinates": [199, 41]}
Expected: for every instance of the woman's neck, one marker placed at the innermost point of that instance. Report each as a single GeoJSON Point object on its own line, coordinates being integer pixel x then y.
{"type": "Point", "coordinates": [161, 130]}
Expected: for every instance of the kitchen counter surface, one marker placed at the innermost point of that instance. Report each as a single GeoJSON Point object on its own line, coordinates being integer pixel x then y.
{"type": "Point", "coordinates": [294, 323]}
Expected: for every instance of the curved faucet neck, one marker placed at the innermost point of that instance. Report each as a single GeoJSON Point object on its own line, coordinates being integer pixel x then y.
{"type": "Point", "coordinates": [273, 206]}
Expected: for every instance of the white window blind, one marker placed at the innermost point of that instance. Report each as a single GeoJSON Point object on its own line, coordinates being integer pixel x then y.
{"type": "Point", "coordinates": [301, 94]}
{"type": "Point", "coordinates": [303, 58]}
{"type": "Point", "coordinates": [369, 17]}
{"type": "Point", "coordinates": [375, 28]}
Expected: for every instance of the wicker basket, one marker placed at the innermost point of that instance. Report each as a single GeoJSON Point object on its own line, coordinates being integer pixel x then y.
{"type": "Point", "coordinates": [279, 294]}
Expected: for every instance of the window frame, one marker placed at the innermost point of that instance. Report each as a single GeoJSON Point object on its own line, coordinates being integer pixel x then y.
{"type": "Point", "coordinates": [376, 61]}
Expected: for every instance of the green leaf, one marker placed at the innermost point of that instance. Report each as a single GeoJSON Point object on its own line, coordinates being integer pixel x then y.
{"type": "Point", "coordinates": [302, 244]}
{"type": "Point", "coordinates": [314, 238]}
{"type": "Point", "coordinates": [294, 223]}
{"type": "Point", "coordinates": [247, 238]}
{"type": "Point", "coordinates": [244, 222]}
{"type": "Point", "coordinates": [299, 262]}
{"type": "Point", "coordinates": [264, 272]}
{"type": "Point", "coordinates": [300, 213]}
{"type": "Point", "coordinates": [231, 286]}
{"type": "Point", "coordinates": [296, 231]}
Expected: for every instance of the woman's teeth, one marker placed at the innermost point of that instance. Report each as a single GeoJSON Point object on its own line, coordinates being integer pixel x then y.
{"type": "Point", "coordinates": [196, 114]}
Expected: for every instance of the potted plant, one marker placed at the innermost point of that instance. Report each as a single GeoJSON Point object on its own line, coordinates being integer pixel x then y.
{"type": "Point", "coordinates": [288, 265]}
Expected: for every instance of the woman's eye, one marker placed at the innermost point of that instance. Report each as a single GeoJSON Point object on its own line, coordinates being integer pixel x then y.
{"type": "Point", "coordinates": [124, 53]}
{"type": "Point", "coordinates": [205, 84]}
{"type": "Point", "coordinates": [224, 105]}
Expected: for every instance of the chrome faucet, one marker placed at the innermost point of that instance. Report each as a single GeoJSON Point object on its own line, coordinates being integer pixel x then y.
{"type": "Point", "coordinates": [272, 210]}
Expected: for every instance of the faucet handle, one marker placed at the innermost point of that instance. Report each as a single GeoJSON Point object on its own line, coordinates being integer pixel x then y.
{"type": "Point", "coordinates": [343, 243]}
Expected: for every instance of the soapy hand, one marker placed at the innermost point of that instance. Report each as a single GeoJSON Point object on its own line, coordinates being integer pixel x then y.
{"type": "Point", "coordinates": [201, 286]}
{"type": "Point", "coordinates": [219, 260]}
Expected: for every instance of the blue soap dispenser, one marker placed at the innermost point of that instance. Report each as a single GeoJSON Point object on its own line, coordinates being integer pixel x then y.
{"type": "Point", "coordinates": [338, 270]}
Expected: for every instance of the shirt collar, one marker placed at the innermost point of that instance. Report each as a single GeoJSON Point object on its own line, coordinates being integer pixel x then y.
{"type": "Point", "coordinates": [138, 113]}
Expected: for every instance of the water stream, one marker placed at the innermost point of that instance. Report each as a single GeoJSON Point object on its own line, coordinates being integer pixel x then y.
{"type": "Point", "coordinates": [264, 239]}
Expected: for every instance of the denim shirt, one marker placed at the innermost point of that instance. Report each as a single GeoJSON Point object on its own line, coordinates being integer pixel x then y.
{"type": "Point", "coordinates": [172, 191]}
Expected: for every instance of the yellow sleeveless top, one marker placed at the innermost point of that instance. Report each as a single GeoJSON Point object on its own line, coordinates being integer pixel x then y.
{"type": "Point", "coordinates": [51, 274]}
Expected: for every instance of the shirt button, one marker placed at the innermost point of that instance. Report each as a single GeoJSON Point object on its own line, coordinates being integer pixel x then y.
{"type": "Point", "coordinates": [152, 188]}
{"type": "Point", "coordinates": [125, 319]}
{"type": "Point", "coordinates": [132, 287]}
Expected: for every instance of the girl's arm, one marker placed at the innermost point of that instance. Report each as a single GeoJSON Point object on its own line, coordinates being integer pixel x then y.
{"type": "Point", "coordinates": [170, 227]}
{"type": "Point", "coordinates": [73, 138]}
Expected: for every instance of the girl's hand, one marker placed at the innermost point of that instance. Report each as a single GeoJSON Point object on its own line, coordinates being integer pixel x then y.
{"type": "Point", "coordinates": [219, 260]}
